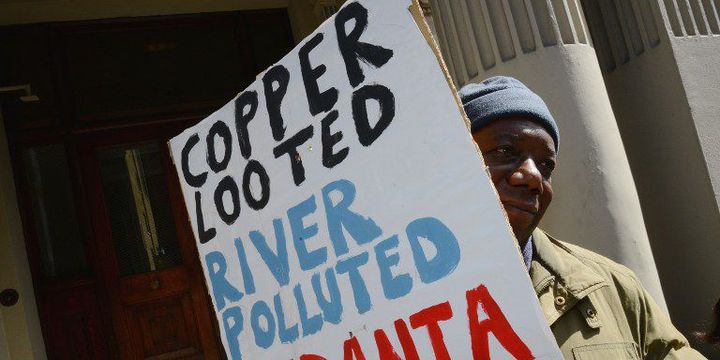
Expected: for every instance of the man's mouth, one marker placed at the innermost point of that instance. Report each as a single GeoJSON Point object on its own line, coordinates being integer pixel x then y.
{"type": "Point", "coordinates": [527, 207]}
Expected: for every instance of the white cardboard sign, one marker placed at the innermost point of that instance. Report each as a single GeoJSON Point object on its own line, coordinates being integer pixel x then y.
{"type": "Point", "coordinates": [342, 210]}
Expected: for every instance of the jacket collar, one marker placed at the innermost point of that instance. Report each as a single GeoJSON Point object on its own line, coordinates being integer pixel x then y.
{"type": "Point", "coordinates": [557, 272]}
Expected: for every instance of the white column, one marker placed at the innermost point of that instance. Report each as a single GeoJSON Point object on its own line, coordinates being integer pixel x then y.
{"type": "Point", "coordinates": [662, 70]}
{"type": "Point", "coordinates": [20, 335]}
{"type": "Point", "coordinates": [546, 44]}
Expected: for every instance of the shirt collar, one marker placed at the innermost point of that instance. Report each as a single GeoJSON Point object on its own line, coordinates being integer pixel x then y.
{"type": "Point", "coordinates": [553, 260]}
{"type": "Point", "coordinates": [527, 252]}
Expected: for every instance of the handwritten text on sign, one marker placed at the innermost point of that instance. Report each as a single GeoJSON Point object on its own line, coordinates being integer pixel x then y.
{"type": "Point", "coordinates": [342, 211]}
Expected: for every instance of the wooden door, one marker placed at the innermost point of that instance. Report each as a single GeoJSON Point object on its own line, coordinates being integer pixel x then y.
{"type": "Point", "coordinates": [148, 261]}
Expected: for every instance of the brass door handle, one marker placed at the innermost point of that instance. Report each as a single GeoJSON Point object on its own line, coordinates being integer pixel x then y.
{"type": "Point", "coordinates": [155, 284]}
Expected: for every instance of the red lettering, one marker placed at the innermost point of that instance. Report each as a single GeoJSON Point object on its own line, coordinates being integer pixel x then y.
{"type": "Point", "coordinates": [352, 349]}
{"type": "Point", "coordinates": [430, 317]}
{"type": "Point", "coordinates": [406, 341]}
{"type": "Point", "coordinates": [311, 357]}
{"type": "Point", "coordinates": [385, 348]}
{"type": "Point", "coordinates": [495, 323]}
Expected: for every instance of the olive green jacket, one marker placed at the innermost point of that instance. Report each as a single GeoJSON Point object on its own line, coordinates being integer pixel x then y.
{"type": "Point", "coordinates": [597, 309]}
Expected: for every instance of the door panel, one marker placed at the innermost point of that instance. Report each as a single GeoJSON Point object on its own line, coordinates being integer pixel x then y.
{"type": "Point", "coordinates": [56, 224]}
{"type": "Point", "coordinates": [167, 328]}
{"type": "Point", "coordinates": [153, 285]}
{"type": "Point", "coordinates": [65, 285]}
{"type": "Point", "coordinates": [160, 309]}
{"type": "Point", "coordinates": [76, 323]}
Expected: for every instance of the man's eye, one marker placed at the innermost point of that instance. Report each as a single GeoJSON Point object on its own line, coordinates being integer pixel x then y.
{"type": "Point", "coordinates": [548, 165]}
{"type": "Point", "coordinates": [503, 150]}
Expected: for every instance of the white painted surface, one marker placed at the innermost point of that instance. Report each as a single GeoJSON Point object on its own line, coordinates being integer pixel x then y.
{"type": "Point", "coordinates": [425, 164]}
{"type": "Point", "coordinates": [20, 335]}
{"type": "Point", "coordinates": [692, 255]}
{"type": "Point", "coordinates": [666, 102]}
{"type": "Point", "coordinates": [675, 190]}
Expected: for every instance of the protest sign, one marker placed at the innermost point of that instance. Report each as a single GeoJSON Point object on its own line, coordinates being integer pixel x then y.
{"type": "Point", "coordinates": [342, 210]}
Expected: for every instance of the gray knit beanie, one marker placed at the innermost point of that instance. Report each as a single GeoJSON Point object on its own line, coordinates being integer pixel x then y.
{"type": "Point", "coordinates": [502, 97]}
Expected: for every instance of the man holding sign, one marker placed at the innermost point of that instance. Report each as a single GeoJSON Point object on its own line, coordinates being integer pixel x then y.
{"type": "Point", "coordinates": [597, 309]}
{"type": "Point", "coordinates": [341, 210]}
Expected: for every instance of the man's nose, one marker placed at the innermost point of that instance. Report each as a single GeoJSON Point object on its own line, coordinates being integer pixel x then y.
{"type": "Point", "coordinates": [527, 174]}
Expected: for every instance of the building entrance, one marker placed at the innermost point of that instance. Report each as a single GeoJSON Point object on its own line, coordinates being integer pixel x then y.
{"type": "Point", "coordinates": [114, 264]}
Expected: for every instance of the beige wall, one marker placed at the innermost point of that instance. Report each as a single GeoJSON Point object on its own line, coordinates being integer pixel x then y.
{"type": "Point", "coordinates": [672, 179]}
{"type": "Point", "coordinates": [698, 65]}
{"type": "Point", "coordinates": [662, 83]}
{"type": "Point", "coordinates": [20, 334]}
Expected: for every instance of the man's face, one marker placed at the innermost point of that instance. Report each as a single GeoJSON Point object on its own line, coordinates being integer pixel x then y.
{"type": "Point", "coordinates": [520, 155]}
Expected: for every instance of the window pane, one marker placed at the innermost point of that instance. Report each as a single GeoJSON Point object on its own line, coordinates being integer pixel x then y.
{"type": "Point", "coordinates": [54, 215]}
{"type": "Point", "coordinates": [138, 206]}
